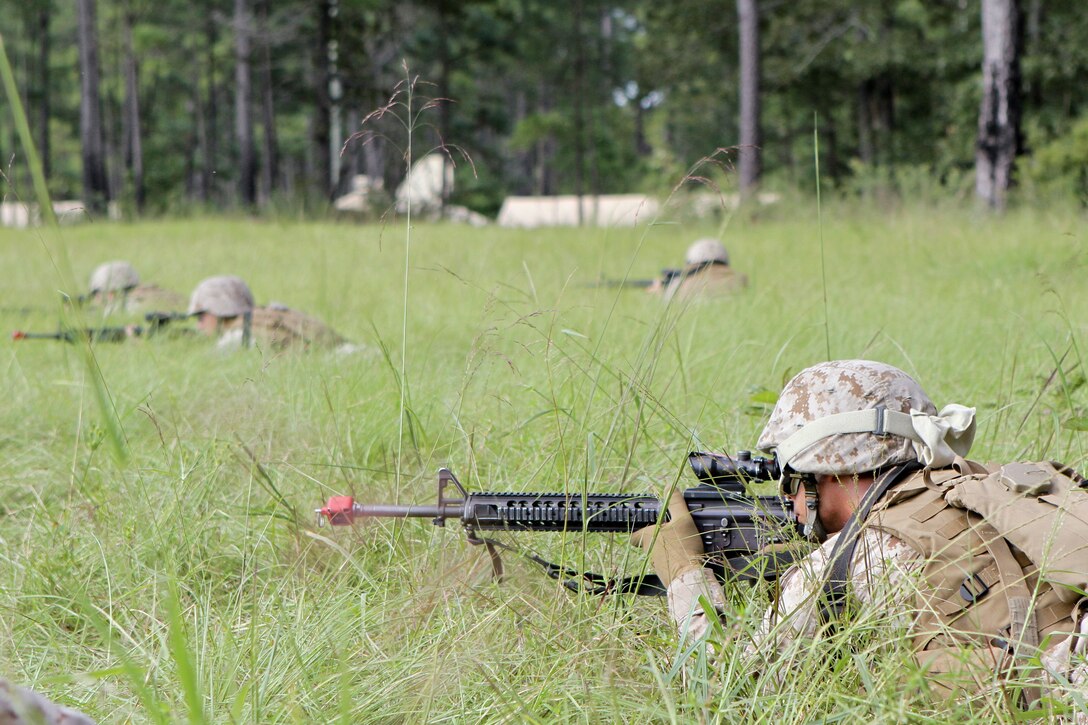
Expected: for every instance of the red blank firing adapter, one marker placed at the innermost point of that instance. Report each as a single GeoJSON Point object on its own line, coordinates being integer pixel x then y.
{"type": "Point", "coordinates": [339, 511]}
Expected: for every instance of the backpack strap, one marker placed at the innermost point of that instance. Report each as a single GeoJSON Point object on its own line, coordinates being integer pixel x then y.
{"type": "Point", "coordinates": [247, 328]}
{"type": "Point", "coordinates": [1023, 639]}
{"type": "Point", "coordinates": [833, 599]}
{"type": "Point", "coordinates": [1023, 630]}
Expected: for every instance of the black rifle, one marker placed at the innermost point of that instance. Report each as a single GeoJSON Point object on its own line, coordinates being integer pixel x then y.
{"type": "Point", "coordinates": [94, 334]}
{"type": "Point", "coordinates": [157, 320]}
{"type": "Point", "coordinates": [736, 527]}
{"type": "Point", "coordinates": [667, 275]}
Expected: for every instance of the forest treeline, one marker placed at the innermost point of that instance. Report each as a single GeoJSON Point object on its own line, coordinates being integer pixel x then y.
{"type": "Point", "coordinates": [166, 106]}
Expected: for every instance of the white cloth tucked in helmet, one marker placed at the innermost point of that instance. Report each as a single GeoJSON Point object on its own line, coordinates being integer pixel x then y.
{"type": "Point", "coordinates": [944, 436]}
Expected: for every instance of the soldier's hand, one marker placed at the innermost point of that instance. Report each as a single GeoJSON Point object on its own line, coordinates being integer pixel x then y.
{"type": "Point", "coordinates": [675, 547]}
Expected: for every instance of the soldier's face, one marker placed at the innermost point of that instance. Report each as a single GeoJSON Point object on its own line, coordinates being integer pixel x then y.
{"type": "Point", "coordinates": [800, 512]}
{"type": "Point", "coordinates": [207, 323]}
{"type": "Point", "coordinates": [830, 506]}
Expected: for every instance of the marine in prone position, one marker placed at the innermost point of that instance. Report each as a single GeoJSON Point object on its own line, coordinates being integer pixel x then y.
{"type": "Point", "coordinates": [225, 309]}
{"type": "Point", "coordinates": [115, 287]}
{"type": "Point", "coordinates": [983, 566]}
{"type": "Point", "coordinates": [706, 274]}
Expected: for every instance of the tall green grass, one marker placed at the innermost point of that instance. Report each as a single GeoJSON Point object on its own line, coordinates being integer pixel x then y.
{"type": "Point", "coordinates": [188, 582]}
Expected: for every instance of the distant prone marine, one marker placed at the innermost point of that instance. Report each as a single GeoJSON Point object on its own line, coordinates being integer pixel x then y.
{"type": "Point", "coordinates": [115, 288]}
{"type": "Point", "coordinates": [225, 309]}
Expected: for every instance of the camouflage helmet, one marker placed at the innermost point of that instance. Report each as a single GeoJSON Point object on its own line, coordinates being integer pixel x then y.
{"type": "Point", "coordinates": [706, 251]}
{"type": "Point", "coordinates": [847, 410]}
{"type": "Point", "coordinates": [226, 296]}
{"type": "Point", "coordinates": [114, 276]}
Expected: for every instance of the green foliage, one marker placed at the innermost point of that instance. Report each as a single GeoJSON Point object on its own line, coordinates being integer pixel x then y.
{"type": "Point", "coordinates": [895, 84]}
{"type": "Point", "coordinates": [537, 127]}
{"type": "Point", "coordinates": [1061, 165]}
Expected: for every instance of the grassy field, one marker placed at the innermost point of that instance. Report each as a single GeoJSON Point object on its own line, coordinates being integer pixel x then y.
{"type": "Point", "coordinates": [160, 558]}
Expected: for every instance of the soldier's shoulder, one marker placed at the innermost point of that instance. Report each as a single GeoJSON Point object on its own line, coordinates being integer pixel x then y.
{"type": "Point", "coordinates": [714, 280]}
{"type": "Point", "coordinates": [148, 296]}
{"type": "Point", "coordinates": [291, 327]}
{"type": "Point", "coordinates": [724, 274]}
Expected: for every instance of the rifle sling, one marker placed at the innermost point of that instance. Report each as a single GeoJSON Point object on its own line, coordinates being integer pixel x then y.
{"type": "Point", "coordinates": [580, 581]}
{"type": "Point", "coordinates": [833, 599]}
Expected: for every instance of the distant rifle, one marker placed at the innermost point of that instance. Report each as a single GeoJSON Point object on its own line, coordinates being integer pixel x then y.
{"type": "Point", "coordinates": [736, 527]}
{"type": "Point", "coordinates": [94, 334]}
{"type": "Point", "coordinates": [667, 276]}
{"type": "Point", "coordinates": [157, 320]}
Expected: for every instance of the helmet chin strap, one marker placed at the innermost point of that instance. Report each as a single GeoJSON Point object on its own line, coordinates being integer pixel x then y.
{"type": "Point", "coordinates": [813, 528]}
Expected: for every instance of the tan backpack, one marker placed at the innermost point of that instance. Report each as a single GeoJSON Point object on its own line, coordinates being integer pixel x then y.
{"type": "Point", "coordinates": [1006, 560]}
{"type": "Point", "coordinates": [280, 328]}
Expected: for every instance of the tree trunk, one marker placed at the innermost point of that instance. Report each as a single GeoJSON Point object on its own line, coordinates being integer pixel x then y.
{"type": "Point", "coordinates": [270, 170]}
{"type": "Point", "coordinates": [44, 13]}
{"type": "Point", "coordinates": [866, 152]}
{"type": "Point", "coordinates": [544, 175]}
{"type": "Point", "coordinates": [642, 146]}
{"type": "Point", "coordinates": [579, 110]}
{"type": "Point", "coordinates": [831, 153]}
{"type": "Point", "coordinates": [522, 159]}
{"type": "Point", "coordinates": [999, 112]}
{"type": "Point", "coordinates": [322, 118]}
{"type": "Point", "coordinates": [202, 178]}
{"type": "Point", "coordinates": [243, 117]}
{"type": "Point", "coordinates": [133, 148]}
{"type": "Point", "coordinates": [336, 96]}
{"type": "Point", "coordinates": [95, 184]}
{"type": "Point", "coordinates": [353, 161]}
{"type": "Point", "coordinates": [883, 118]}
{"type": "Point", "coordinates": [445, 108]}
{"type": "Point", "coordinates": [749, 154]}
{"type": "Point", "coordinates": [211, 147]}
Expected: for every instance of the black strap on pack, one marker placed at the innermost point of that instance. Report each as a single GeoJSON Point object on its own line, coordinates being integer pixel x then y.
{"type": "Point", "coordinates": [833, 599]}
{"type": "Point", "coordinates": [697, 268]}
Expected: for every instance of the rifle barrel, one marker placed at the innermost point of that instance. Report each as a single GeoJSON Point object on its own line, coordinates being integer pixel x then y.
{"type": "Point", "coordinates": [95, 334]}
{"type": "Point", "coordinates": [632, 283]}
{"type": "Point", "coordinates": [383, 510]}
{"type": "Point", "coordinates": [21, 335]}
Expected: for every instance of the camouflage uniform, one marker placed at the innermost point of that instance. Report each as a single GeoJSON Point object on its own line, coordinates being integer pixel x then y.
{"type": "Point", "coordinates": [228, 301]}
{"type": "Point", "coordinates": [880, 574]}
{"type": "Point", "coordinates": [19, 706]}
{"type": "Point", "coordinates": [823, 424]}
{"type": "Point", "coordinates": [281, 328]}
{"type": "Point", "coordinates": [706, 281]}
{"type": "Point", "coordinates": [152, 298]}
